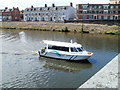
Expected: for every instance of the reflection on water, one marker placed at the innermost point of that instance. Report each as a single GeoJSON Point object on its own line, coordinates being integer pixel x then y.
{"type": "Point", "coordinates": [66, 66]}
{"type": "Point", "coordinates": [22, 67]}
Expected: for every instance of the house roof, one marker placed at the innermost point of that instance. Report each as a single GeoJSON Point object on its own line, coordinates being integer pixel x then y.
{"type": "Point", "coordinates": [50, 8]}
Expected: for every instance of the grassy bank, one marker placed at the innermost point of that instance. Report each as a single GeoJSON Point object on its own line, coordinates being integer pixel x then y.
{"type": "Point", "coordinates": [62, 27]}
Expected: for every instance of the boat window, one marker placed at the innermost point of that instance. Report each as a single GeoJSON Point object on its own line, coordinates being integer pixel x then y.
{"type": "Point", "coordinates": [49, 47]}
{"type": "Point", "coordinates": [59, 48]}
{"type": "Point", "coordinates": [79, 49]}
{"type": "Point", "coordinates": [82, 48]}
{"type": "Point", "coordinates": [74, 49]}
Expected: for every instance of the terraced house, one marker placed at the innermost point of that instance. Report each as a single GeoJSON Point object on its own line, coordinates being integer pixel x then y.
{"type": "Point", "coordinates": [53, 13]}
{"type": "Point", "coordinates": [10, 14]}
{"type": "Point", "coordinates": [1, 11]}
{"type": "Point", "coordinates": [98, 11]}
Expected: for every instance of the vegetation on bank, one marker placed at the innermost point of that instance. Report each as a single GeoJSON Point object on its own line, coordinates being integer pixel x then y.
{"type": "Point", "coordinates": [113, 32]}
{"type": "Point", "coordinates": [63, 27]}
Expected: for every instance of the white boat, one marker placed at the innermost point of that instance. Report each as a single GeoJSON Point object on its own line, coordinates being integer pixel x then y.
{"type": "Point", "coordinates": [63, 50]}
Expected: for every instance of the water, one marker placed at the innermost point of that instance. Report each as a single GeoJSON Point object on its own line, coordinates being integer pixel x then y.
{"type": "Point", "coordinates": [22, 67]}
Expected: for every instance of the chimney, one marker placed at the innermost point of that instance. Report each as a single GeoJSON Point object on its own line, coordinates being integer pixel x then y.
{"type": "Point", "coordinates": [6, 7]}
{"type": "Point", "coordinates": [32, 6]}
{"type": "Point", "coordinates": [71, 4]}
{"type": "Point", "coordinates": [53, 5]}
{"type": "Point", "coordinates": [45, 5]}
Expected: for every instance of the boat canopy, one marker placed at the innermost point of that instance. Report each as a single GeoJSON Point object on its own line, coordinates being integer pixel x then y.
{"type": "Point", "coordinates": [64, 44]}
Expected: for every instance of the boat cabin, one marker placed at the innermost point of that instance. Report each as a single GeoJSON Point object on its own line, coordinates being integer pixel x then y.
{"type": "Point", "coordinates": [62, 46]}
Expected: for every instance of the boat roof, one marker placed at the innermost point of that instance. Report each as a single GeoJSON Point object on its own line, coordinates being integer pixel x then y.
{"type": "Point", "coordinates": [58, 43]}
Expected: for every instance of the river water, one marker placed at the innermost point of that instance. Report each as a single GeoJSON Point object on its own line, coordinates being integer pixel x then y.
{"type": "Point", "coordinates": [22, 67]}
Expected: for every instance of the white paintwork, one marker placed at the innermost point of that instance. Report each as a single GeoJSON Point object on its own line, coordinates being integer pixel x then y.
{"type": "Point", "coordinates": [0, 18]}
{"type": "Point", "coordinates": [52, 14]}
{"type": "Point", "coordinates": [58, 43]}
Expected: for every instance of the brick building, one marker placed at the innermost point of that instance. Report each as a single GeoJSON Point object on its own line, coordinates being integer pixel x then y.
{"type": "Point", "coordinates": [98, 11]}
{"type": "Point", "coordinates": [10, 14]}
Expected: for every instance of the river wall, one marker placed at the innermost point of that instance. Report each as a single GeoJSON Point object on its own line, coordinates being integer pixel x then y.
{"type": "Point", "coordinates": [63, 27]}
{"type": "Point", "coordinates": [107, 77]}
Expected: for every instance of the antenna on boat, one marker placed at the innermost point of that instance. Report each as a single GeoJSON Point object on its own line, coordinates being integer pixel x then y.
{"type": "Point", "coordinates": [71, 41]}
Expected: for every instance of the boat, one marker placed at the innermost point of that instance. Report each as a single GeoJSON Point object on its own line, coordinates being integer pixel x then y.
{"type": "Point", "coordinates": [63, 50]}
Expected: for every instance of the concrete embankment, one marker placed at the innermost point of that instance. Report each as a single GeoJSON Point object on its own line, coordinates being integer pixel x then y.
{"type": "Point", "coordinates": [62, 27]}
{"type": "Point", "coordinates": [107, 77]}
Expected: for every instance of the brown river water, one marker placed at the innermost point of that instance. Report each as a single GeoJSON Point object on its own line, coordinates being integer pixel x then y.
{"type": "Point", "coordinates": [21, 66]}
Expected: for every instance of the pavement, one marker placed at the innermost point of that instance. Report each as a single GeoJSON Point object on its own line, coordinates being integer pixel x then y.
{"type": "Point", "coordinates": [107, 77]}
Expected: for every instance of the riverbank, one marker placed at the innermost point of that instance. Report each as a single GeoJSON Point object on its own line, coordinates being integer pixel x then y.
{"type": "Point", "coordinates": [107, 77]}
{"type": "Point", "coordinates": [62, 27]}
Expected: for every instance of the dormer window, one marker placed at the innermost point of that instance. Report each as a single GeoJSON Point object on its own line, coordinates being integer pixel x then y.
{"type": "Point", "coordinates": [40, 9]}
{"type": "Point", "coordinates": [48, 8]}
{"type": "Point", "coordinates": [27, 9]}
{"type": "Point", "coordinates": [56, 8]}
{"type": "Point", "coordinates": [65, 8]}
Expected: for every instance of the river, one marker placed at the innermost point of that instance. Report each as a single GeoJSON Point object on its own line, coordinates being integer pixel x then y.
{"type": "Point", "coordinates": [22, 67]}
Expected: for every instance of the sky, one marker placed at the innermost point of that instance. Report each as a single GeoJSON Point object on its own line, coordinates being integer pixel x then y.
{"type": "Point", "coordinates": [22, 4]}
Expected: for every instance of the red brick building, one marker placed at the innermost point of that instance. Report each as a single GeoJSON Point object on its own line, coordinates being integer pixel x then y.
{"type": "Point", "coordinates": [98, 11]}
{"type": "Point", "coordinates": [11, 14]}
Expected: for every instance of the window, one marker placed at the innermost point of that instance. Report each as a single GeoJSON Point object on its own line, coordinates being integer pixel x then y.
{"type": "Point", "coordinates": [111, 12]}
{"type": "Point", "coordinates": [105, 12]}
{"type": "Point", "coordinates": [90, 11]}
{"type": "Point", "coordinates": [34, 9]}
{"type": "Point", "coordinates": [59, 48]}
{"type": "Point", "coordinates": [99, 7]}
{"type": "Point", "coordinates": [79, 49]}
{"type": "Point", "coordinates": [95, 7]}
{"type": "Point", "coordinates": [40, 9]}
{"type": "Point", "coordinates": [116, 7]}
{"type": "Point", "coordinates": [99, 17]}
{"type": "Point", "coordinates": [82, 48]}
{"type": "Point", "coordinates": [64, 8]}
{"type": "Point", "coordinates": [105, 7]}
{"type": "Point", "coordinates": [48, 8]}
{"type": "Point", "coordinates": [105, 17]}
{"type": "Point", "coordinates": [111, 7]}
{"type": "Point", "coordinates": [90, 7]}
{"type": "Point", "coordinates": [116, 12]}
{"type": "Point", "coordinates": [84, 7]}
{"type": "Point", "coordinates": [99, 12]}
{"type": "Point", "coordinates": [27, 9]}
{"type": "Point", "coordinates": [111, 17]}
{"type": "Point", "coordinates": [74, 49]}
{"type": "Point", "coordinates": [84, 11]}
{"type": "Point", "coordinates": [90, 17]}
{"type": "Point", "coordinates": [84, 17]}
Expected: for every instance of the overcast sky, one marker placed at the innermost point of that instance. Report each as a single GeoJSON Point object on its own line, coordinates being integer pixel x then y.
{"type": "Point", "coordinates": [22, 4]}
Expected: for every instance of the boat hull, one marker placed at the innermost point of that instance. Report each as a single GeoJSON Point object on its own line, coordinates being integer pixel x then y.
{"type": "Point", "coordinates": [63, 56]}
